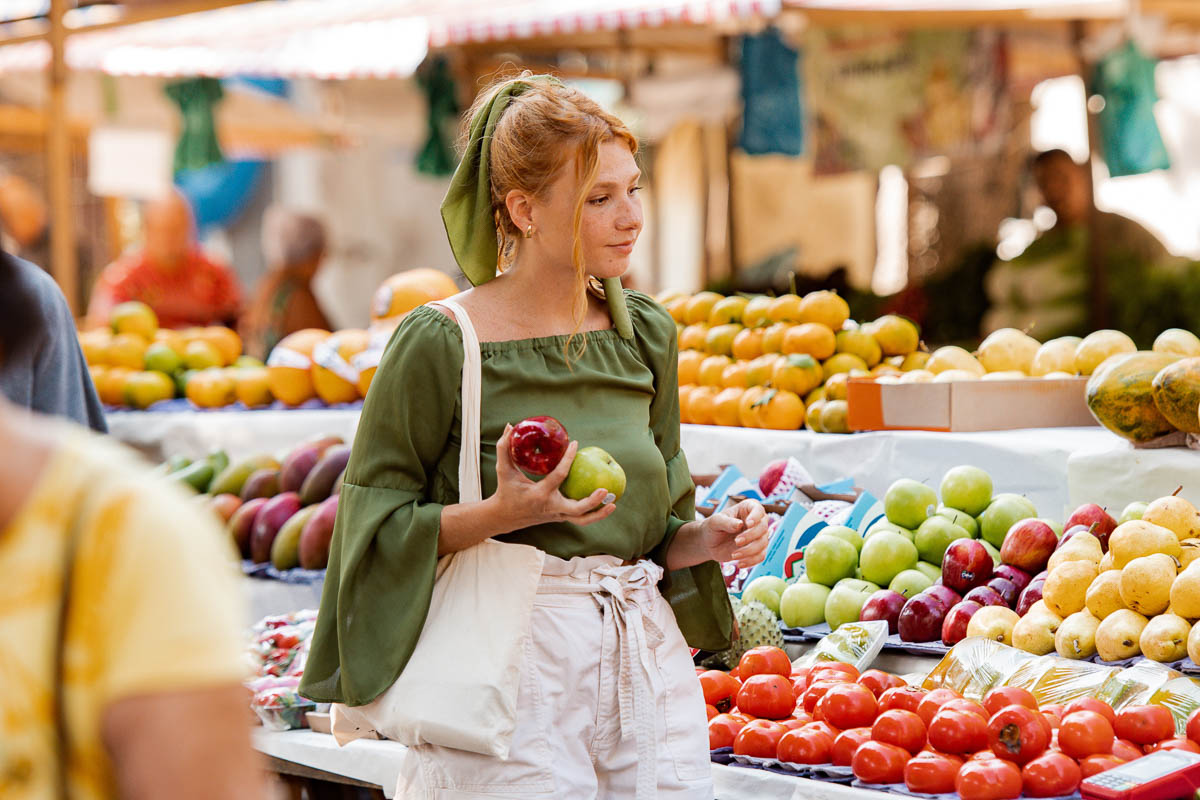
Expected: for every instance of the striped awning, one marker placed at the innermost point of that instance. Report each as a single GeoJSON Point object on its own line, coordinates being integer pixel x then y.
{"type": "Point", "coordinates": [331, 39]}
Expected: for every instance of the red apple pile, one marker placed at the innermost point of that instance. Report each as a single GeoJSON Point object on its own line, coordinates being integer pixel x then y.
{"type": "Point", "coordinates": [934, 742]}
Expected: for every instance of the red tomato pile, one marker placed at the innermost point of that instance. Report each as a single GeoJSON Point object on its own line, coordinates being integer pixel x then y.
{"type": "Point", "coordinates": [932, 741]}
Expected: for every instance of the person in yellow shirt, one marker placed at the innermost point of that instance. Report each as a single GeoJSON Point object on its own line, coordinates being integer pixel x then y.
{"type": "Point", "coordinates": [142, 699]}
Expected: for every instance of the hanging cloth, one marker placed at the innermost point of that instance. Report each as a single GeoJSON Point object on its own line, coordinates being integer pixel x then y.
{"type": "Point", "coordinates": [197, 98]}
{"type": "Point", "coordinates": [437, 154]}
{"type": "Point", "coordinates": [1129, 134]}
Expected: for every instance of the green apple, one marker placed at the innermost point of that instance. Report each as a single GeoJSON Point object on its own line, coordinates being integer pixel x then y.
{"type": "Point", "coordinates": [960, 518]}
{"type": "Point", "coordinates": [803, 604]}
{"type": "Point", "coordinates": [842, 532]}
{"type": "Point", "coordinates": [932, 571]}
{"type": "Point", "coordinates": [908, 502]}
{"type": "Point", "coordinates": [1133, 511]}
{"type": "Point", "coordinates": [910, 582]}
{"type": "Point", "coordinates": [968, 489]}
{"type": "Point", "coordinates": [845, 602]}
{"type": "Point", "coordinates": [1002, 513]}
{"type": "Point", "coordinates": [884, 525]}
{"type": "Point", "coordinates": [1054, 526]}
{"type": "Point", "coordinates": [767, 590]}
{"type": "Point", "coordinates": [885, 555]}
{"type": "Point", "coordinates": [934, 536]}
{"type": "Point", "coordinates": [592, 469]}
{"type": "Point", "coordinates": [993, 552]}
{"type": "Point", "coordinates": [828, 559]}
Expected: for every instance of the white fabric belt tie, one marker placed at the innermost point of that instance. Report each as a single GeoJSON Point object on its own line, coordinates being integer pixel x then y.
{"type": "Point", "coordinates": [637, 636]}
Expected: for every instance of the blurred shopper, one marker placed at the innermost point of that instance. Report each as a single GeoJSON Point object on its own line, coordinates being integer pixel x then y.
{"type": "Point", "coordinates": [293, 245]}
{"type": "Point", "coordinates": [1046, 288]}
{"type": "Point", "coordinates": [169, 273]}
{"type": "Point", "coordinates": [119, 624]}
{"type": "Point", "coordinates": [25, 219]}
{"type": "Point", "coordinates": [41, 365]}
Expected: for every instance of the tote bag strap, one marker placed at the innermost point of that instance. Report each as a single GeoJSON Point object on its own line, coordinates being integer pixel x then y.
{"type": "Point", "coordinates": [62, 748]}
{"type": "Point", "coordinates": [470, 488]}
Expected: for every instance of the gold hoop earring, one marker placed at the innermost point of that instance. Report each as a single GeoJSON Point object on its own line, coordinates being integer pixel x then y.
{"type": "Point", "coordinates": [529, 232]}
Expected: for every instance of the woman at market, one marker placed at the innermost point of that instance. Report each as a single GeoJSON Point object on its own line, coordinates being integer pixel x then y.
{"type": "Point", "coordinates": [553, 177]}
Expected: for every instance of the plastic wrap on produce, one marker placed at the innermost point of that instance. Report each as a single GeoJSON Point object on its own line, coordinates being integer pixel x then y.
{"type": "Point", "coordinates": [1135, 685]}
{"type": "Point", "coordinates": [856, 643]}
{"type": "Point", "coordinates": [1067, 680]}
{"type": "Point", "coordinates": [282, 708]}
{"type": "Point", "coordinates": [279, 645]}
{"type": "Point", "coordinates": [1182, 696]}
{"type": "Point", "coordinates": [975, 666]}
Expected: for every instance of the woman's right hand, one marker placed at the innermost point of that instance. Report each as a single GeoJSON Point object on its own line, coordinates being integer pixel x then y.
{"type": "Point", "coordinates": [522, 502]}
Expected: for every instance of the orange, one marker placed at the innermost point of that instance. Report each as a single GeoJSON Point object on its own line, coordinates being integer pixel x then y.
{"type": "Point", "coordinates": [735, 375]}
{"type": "Point", "coordinates": [748, 344]}
{"type": "Point", "coordinates": [202, 354]}
{"type": "Point", "coordinates": [773, 337]}
{"type": "Point", "coordinates": [685, 389]}
{"type": "Point", "coordinates": [693, 337]}
{"type": "Point", "coordinates": [728, 309]}
{"type": "Point", "coordinates": [798, 372]}
{"type": "Point", "coordinates": [700, 405]}
{"type": "Point", "coordinates": [251, 387]}
{"type": "Point", "coordinates": [172, 339]}
{"type": "Point", "coordinates": [226, 342]}
{"type": "Point", "coordinates": [824, 307]}
{"type": "Point", "coordinates": [211, 388]}
{"type": "Point", "coordinates": [404, 291]}
{"type": "Point", "coordinates": [676, 307]}
{"type": "Point", "coordinates": [94, 344]}
{"type": "Point", "coordinates": [144, 389]}
{"type": "Point", "coordinates": [761, 370]}
{"type": "Point", "coordinates": [785, 308]}
{"type": "Point", "coordinates": [700, 306]}
{"type": "Point", "coordinates": [725, 406]}
{"type": "Point", "coordinates": [689, 366]}
{"type": "Point", "coordinates": [111, 385]}
{"type": "Point", "coordinates": [289, 366]}
{"type": "Point", "coordinates": [711, 370]}
{"type": "Point", "coordinates": [755, 312]}
{"type": "Point", "coordinates": [844, 362]}
{"type": "Point", "coordinates": [746, 412]}
{"type": "Point", "coordinates": [126, 350]}
{"type": "Point", "coordinates": [778, 410]}
{"type": "Point", "coordinates": [814, 396]}
{"type": "Point", "coordinates": [334, 380]}
{"type": "Point", "coordinates": [134, 317]}
{"type": "Point", "coordinates": [812, 416]}
{"type": "Point", "coordinates": [719, 340]}
{"type": "Point", "coordinates": [915, 360]}
{"type": "Point", "coordinates": [812, 338]}
{"type": "Point", "coordinates": [835, 386]}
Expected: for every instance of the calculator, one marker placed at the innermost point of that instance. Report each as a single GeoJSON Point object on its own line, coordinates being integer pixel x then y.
{"type": "Point", "coordinates": [1162, 775]}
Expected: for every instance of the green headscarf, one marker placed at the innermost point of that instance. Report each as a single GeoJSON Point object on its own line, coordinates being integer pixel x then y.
{"type": "Point", "coordinates": [467, 208]}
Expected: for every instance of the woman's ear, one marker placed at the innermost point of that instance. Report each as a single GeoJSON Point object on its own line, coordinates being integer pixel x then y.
{"type": "Point", "coordinates": [520, 208]}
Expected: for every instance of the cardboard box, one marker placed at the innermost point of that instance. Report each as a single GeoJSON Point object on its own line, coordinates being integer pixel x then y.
{"type": "Point", "coordinates": [968, 405]}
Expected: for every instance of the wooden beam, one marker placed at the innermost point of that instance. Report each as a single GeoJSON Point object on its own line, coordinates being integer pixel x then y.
{"type": "Point", "coordinates": [955, 18]}
{"type": "Point", "coordinates": [58, 165]}
{"type": "Point", "coordinates": [131, 16]}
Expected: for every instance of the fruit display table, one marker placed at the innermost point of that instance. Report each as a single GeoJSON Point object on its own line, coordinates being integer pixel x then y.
{"type": "Point", "coordinates": [1116, 473]}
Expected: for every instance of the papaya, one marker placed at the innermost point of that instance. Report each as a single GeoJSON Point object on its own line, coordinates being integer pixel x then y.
{"type": "Point", "coordinates": [1120, 395]}
{"type": "Point", "coordinates": [1176, 390]}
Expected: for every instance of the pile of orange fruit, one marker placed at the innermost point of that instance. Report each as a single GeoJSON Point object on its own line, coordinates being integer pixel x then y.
{"type": "Point", "coordinates": [781, 362]}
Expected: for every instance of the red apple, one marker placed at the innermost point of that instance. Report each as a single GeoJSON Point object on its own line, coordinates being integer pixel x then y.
{"type": "Point", "coordinates": [985, 596]}
{"type": "Point", "coordinates": [954, 627]}
{"type": "Point", "coordinates": [1028, 545]}
{"type": "Point", "coordinates": [1041, 576]}
{"type": "Point", "coordinates": [945, 595]}
{"type": "Point", "coordinates": [768, 479]}
{"type": "Point", "coordinates": [966, 565]}
{"type": "Point", "coordinates": [1007, 589]}
{"type": "Point", "coordinates": [1019, 577]}
{"type": "Point", "coordinates": [921, 619]}
{"type": "Point", "coordinates": [537, 444]}
{"type": "Point", "coordinates": [886, 605]}
{"type": "Point", "coordinates": [1095, 519]}
{"type": "Point", "coordinates": [1029, 595]}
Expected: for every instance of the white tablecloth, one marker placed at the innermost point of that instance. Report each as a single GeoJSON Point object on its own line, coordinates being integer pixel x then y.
{"type": "Point", "coordinates": [378, 763]}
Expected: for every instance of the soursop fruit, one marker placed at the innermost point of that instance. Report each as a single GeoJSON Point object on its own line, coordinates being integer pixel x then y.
{"type": "Point", "coordinates": [759, 626]}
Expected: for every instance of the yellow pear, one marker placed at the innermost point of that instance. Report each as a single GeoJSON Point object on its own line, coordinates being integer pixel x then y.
{"type": "Point", "coordinates": [1034, 632]}
{"type": "Point", "coordinates": [1146, 583]}
{"type": "Point", "coordinates": [1106, 563]}
{"type": "Point", "coordinates": [1119, 635]}
{"type": "Point", "coordinates": [1082, 546]}
{"type": "Point", "coordinates": [1176, 515]}
{"type": "Point", "coordinates": [1165, 638]}
{"type": "Point", "coordinates": [1099, 345]}
{"type": "Point", "coordinates": [1056, 355]}
{"type": "Point", "coordinates": [1006, 350]}
{"type": "Point", "coordinates": [1138, 538]}
{"type": "Point", "coordinates": [953, 357]}
{"type": "Point", "coordinates": [1185, 592]}
{"type": "Point", "coordinates": [993, 622]}
{"type": "Point", "coordinates": [1193, 643]}
{"type": "Point", "coordinates": [1191, 551]}
{"type": "Point", "coordinates": [1076, 636]}
{"type": "Point", "coordinates": [1066, 587]}
{"type": "Point", "coordinates": [1104, 595]}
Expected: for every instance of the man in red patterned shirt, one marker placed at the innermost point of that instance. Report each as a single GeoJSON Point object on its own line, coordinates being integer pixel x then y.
{"type": "Point", "coordinates": [169, 273]}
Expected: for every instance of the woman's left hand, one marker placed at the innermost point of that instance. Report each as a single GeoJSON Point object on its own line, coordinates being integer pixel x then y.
{"type": "Point", "coordinates": [739, 533]}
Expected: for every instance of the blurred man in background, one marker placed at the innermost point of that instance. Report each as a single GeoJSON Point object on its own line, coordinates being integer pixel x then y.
{"type": "Point", "coordinates": [169, 273]}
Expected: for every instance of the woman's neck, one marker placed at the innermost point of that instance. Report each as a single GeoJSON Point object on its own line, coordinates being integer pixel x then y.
{"type": "Point", "coordinates": [554, 293]}
{"type": "Point", "coordinates": [28, 448]}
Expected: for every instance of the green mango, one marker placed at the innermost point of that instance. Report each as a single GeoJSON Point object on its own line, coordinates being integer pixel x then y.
{"type": "Point", "coordinates": [197, 475]}
{"type": "Point", "coordinates": [231, 479]}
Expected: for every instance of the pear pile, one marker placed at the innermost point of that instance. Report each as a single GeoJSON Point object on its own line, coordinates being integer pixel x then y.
{"type": "Point", "coordinates": [1140, 598]}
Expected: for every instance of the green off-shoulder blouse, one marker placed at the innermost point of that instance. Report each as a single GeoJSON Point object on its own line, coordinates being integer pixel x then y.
{"type": "Point", "coordinates": [620, 394]}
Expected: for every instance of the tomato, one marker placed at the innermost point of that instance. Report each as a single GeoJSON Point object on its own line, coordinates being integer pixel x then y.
{"type": "Point", "coordinates": [1126, 750]}
{"type": "Point", "coordinates": [767, 697]}
{"type": "Point", "coordinates": [833, 670]}
{"type": "Point", "coordinates": [1053, 720]}
{"type": "Point", "coordinates": [1090, 704]}
{"type": "Point", "coordinates": [1019, 734]}
{"type": "Point", "coordinates": [879, 681]}
{"type": "Point", "coordinates": [759, 738]}
{"type": "Point", "coordinates": [907, 698]}
{"type": "Point", "coordinates": [848, 706]}
{"type": "Point", "coordinates": [966, 705]}
{"type": "Point", "coordinates": [932, 773]}
{"type": "Point", "coordinates": [722, 729]}
{"type": "Point", "coordinates": [847, 744]}
{"type": "Point", "coordinates": [710, 710]}
{"type": "Point", "coordinates": [1193, 726]}
{"type": "Point", "coordinates": [933, 701]}
{"type": "Point", "coordinates": [983, 755]}
{"type": "Point", "coordinates": [1051, 775]}
{"type": "Point", "coordinates": [719, 689]}
{"type": "Point", "coordinates": [954, 731]}
{"type": "Point", "coordinates": [1054, 708]}
{"type": "Point", "coordinates": [1145, 724]}
{"type": "Point", "coordinates": [1095, 764]}
{"type": "Point", "coordinates": [1003, 696]}
{"type": "Point", "coordinates": [743, 716]}
{"type": "Point", "coordinates": [993, 779]}
{"type": "Point", "coordinates": [902, 728]}
{"type": "Point", "coordinates": [733, 673]}
{"type": "Point", "coordinates": [765, 660]}
{"type": "Point", "coordinates": [799, 684]}
{"type": "Point", "coordinates": [807, 746]}
{"type": "Point", "coordinates": [815, 691]}
{"type": "Point", "coordinates": [1085, 733]}
{"type": "Point", "coordinates": [1178, 743]}
{"type": "Point", "coordinates": [879, 762]}
{"type": "Point", "coordinates": [823, 726]}
{"type": "Point", "coordinates": [796, 721]}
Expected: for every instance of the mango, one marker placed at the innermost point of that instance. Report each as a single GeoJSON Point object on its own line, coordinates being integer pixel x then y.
{"type": "Point", "coordinates": [317, 533]}
{"type": "Point", "coordinates": [285, 549]}
{"type": "Point", "coordinates": [231, 479]}
{"type": "Point", "coordinates": [319, 482]}
{"type": "Point", "coordinates": [296, 467]}
{"type": "Point", "coordinates": [268, 522]}
{"type": "Point", "coordinates": [261, 483]}
{"type": "Point", "coordinates": [241, 524]}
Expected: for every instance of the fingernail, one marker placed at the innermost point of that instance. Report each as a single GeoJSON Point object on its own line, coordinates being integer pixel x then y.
{"type": "Point", "coordinates": [609, 498]}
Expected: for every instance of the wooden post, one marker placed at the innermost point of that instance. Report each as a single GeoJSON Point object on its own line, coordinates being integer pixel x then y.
{"type": "Point", "coordinates": [58, 165]}
{"type": "Point", "coordinates": [1099, 306]}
